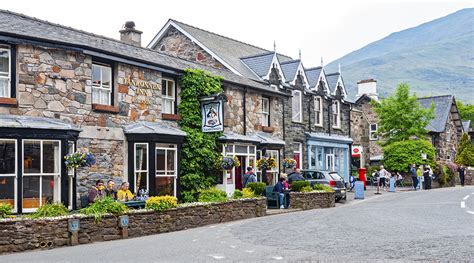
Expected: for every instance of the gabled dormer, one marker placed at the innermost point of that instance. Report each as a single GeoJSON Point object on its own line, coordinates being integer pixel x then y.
{"type": "Point", "coordinates": [336, 85]}
{"type": "Point", "coordinates": [317, 81]}
{"type": "Point", "coordinates": [266, 66]}
{"type": "Point", "coordinates": [294, 73]}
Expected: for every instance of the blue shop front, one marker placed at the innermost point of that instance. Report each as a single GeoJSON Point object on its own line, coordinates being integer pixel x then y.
{"type": "Point", "coordinates": [329, 152]}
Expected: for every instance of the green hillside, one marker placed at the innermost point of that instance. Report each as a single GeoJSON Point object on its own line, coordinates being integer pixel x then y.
{"type": "Point", "coordinates": [434, 58]}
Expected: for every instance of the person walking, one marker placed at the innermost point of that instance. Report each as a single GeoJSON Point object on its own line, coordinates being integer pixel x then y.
{"type": "Point", "coordinates": [419, 176]}
{"type": "Point", "coordinates": [413, 176]}
{"type": "Point", "coordinates": [384, 176]}
{"type": "Point", "coordinates": [461, 171]}
{"type": "Point", "coordinates": [249, 176]}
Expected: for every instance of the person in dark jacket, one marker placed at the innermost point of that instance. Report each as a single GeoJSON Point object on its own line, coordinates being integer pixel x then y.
{"type": "Point", "coordinates": [249, 177]}
{"type": "Point", "coordinates": [97, 192]}
{"type": "Point", "coordinates": [295, 176]}
{"type": "Point", "coordinates": [280, 189]}
{"type": "Point", "coordinates": [413, 175]}
{"type": "Point", "coordinates": [461, 171]}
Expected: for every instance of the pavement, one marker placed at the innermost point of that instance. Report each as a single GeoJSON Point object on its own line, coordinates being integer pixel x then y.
{"type": "Point", "coordinates": [405, 226]}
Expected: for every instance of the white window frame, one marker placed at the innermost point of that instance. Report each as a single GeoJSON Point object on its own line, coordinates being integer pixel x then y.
{"type": "Point", "coordinates": [56, 176]}
{"type": "Point", "coordinates": [265, 112]}
{"type": "Point", "coordinates": [448, 135]}
{"type": "Point", "coordinates": [166, 98]}
{"type": "Point", "coordinates": [330, 156]}
{"type": "Point", "coordinates": [136, 172]}
{"type": "Point", "coordinates": [102, 87]}
{"type": "Point", "coordinates": [318, 101]}
{"type": "Point", "coordinates": [165, 173]}
{"type": "Point", "coordinates": [299, 116]}
{"type": "Point", "coordinates": [9, 87]}
{"type": "Point", "coordinates": [372, 135]}
{"type": "Point", "coordinates": [250, 157]}
{"type": "Point", "coordinates": [336, 113]}
{"type": "Point", "coordinates": [71, 173]}
{"type": "Point", "coordinates": [15, 184]}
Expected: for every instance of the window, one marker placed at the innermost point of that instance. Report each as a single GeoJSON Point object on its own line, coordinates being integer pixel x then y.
{"type": "Point", "coordinates": [265, 112]}
{"type": "Point", "coordinates": [5, 72]}
{"type": "Point", "coordinates": [41, 173]}
{"type": "Point", "coordinates": [101, 84]}
{"type": "Point", "coordinates": [272, 174]}
{"type": "Point", "coordinates": [318, 111]}
{"type": "Point", "coordinates": [448, 135]}
{"type": "Point", "coordinates": [168, 95]}
{"type": "Point", "coordinates": [297, 154]}
{"type": "Point", "coordinates": [373, 132]}
{"type": "Point", "coordinates": [8, 179]}
{"type": "Point", "coordinates": [296, 106]}
{"type": "Point", "coordinates": [141, 167]}
{"type": "Point", "coordinates": [336, 113]}
{"type": "Point", "coordinates": [166, 169]}
{"type": "Point", "coordinates": [71, 148]}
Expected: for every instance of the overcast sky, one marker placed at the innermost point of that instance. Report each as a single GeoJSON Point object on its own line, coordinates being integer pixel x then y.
{"type": "Point", "coordinates": [327, 28]}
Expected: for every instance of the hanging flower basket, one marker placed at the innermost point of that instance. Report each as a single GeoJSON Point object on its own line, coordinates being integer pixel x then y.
{"type": "Point", "coordinates": [80, 158]}
{"type": "Point", "coordinates": [229, 162]}
{"type": "Point", "coordinates": [289, 163]}
{"type": "Point", "coordinates": [266, 163]}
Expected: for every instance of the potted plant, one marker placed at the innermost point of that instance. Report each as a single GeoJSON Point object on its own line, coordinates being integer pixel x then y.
{"type": "Point", "coordinates": [289, 163]}
{"type": "Point", "coordinates": [229, 162]}
{"type": "Point", "coordinates": [80, 158]}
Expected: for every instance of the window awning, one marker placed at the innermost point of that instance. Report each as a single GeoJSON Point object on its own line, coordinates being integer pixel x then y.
{"type": "Point", "coordinates": [267, 139]}
{"type": "Point", "coordinates": [159, 128]}
{"type": "Point", "coordinates": [235, 137]}
{"type": "Point", "coordinates": [329, 138]}
{"type": "Point", "coordinates": [27, 122]}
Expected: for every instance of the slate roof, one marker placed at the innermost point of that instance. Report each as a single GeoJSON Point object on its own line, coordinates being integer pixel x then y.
{"type": "Point", "coordinates": [332, 80]}
{"type": "Point", "coordinates": [235, 137]}
{"type": "Point", "coordinates": [21, 26]}
{"type": "Point", "coordinates": [228, 49]}
{"type": "Point", "coordinates": [466, 125]}
{"type": "Point", "coordinates": [290, 69]}
{"type": "Point", "coordinates": [27, 122]}
{"type": "Point", "coordinates": [260, 64]}
{"type": "Point", "coordinates": [313, 75]}
{"type": "Point", "coordinates": [442, 108]}
{"type": "Point", "coordinates": [152, 128]}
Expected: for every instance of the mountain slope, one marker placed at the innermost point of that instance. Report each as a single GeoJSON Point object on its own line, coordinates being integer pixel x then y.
{"type": "Point", "coordinates": [433, 58]}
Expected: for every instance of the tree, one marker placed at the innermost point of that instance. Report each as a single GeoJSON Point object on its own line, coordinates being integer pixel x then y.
{"type": "Point", "coordinates": [398, 156]}
{"type": "Point", "coordinates": [401, 117]}
{"type": "Point", "coordinates": [466, 112]}
{"type": "Point", "coordinates": [465, 152]}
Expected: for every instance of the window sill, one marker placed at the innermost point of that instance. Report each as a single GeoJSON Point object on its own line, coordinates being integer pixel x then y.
{"type": "Point", "coordinates": [105, 108]}
{"type": "Point", "coordinates": [337, 128]}
{"type": "Point", "coordinates": [298, 122]}
{"type": "Point", "coordinates": [170, 117]}
{"type": "Point", "coordinates": [10, 102]}
{"type": "Point", "coordinates": [268, 129]}
{"type": "Point", "coordinates": [318, 125]}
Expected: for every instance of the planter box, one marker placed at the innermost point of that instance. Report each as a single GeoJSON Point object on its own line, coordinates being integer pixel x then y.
{"type": "Point", "coordinates": [21, 234]}
{"type": "Point", "coordinates": [312, 200]}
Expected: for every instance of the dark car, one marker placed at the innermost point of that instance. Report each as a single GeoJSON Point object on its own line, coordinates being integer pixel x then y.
{"type": "Point", "coordinates": [329, 178]}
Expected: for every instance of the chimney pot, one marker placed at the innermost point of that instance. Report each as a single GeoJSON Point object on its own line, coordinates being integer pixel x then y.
{"type": "Point", "coordinates": [130, 35]}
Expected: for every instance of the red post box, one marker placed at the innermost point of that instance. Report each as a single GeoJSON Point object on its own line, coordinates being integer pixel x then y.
{"type": "Point", "coordinates": [362, 172]}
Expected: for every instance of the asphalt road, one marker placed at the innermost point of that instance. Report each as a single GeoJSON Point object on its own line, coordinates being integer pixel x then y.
{"type": "Point", "coordinates": [436, 225]}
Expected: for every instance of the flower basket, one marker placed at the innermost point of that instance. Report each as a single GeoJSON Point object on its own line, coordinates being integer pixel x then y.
{"type": "Point", "coordinates": [229, 162]}
{"type": "Point", "coordinates": [80, 158]}
{"type": "Point", "coordinates": [289, 163]}
{"type": "Point", "coordinates": [266, 163]}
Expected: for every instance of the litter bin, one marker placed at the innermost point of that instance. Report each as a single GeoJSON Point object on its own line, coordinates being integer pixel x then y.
{"type": "Point", "coordinates": [427, 182]}
{"type": "Point", "coordinates": [362, 172]}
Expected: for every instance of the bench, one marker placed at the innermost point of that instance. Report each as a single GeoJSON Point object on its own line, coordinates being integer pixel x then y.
{"type": "Point", "coordinates": [273, 199]}
{"type": "Point", "coordinates": [135, 204]}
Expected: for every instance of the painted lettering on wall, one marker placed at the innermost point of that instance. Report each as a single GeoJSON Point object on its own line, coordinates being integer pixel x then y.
{"type": "Point", "coordinates": [143, 90]}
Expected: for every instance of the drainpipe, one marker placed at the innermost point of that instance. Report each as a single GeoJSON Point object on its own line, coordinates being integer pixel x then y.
{"type": "Point", "coordinates": [329, 116]}
{"type": "Point", "coordinates": [245, 111]}
{"type": "Point", "coordinates": [284, 127]}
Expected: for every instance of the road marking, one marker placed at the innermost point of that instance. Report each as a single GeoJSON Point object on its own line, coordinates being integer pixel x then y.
{"type": "Point", "coordinates": [249, 251]}
{"type": "Point", "coordinates": [277, 258]}
{"type": "Point", "coordinates": [466, 197]}
{"type": "Point", "coordinates": [470, 212]}
{"type": "Point", "coordinates": [217, 257]}
{"type": "Point", "coordinates": [463, 204]}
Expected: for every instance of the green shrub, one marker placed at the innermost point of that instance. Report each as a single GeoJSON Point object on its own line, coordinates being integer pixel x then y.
{"type": "Point", "coordinates": [159, 203]}
{"type": "Point", "coordinates": [5, 210]}
{"type": "Point", "coordinates": [306, 189]}
{"type": "Point", "coordinates": [296, 186]}
{"type": "Point", "coordinates": [50, 210]}
{"type": "Point", "coordinates": [237, 194]}
{"type": "Point", "coordinates": [322, 187]}
{"type": "Point", "coordinates": [104, 206]}
{"type": "Point", "coordinates": [248, 193]}
{"type": "Point", "coordinates": [212, 195]}
{"type": "Point", "coordinates": [257, 188]}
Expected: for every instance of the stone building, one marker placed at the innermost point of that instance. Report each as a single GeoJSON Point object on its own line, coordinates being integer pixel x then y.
{"type": "Point", "coordinates": [62, 89]}
{"type": "Point", "coordinates": [306, 135]}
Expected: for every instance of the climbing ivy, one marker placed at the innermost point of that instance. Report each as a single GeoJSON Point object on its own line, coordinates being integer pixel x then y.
{"type": "Point", "coordinates": [199, 152]}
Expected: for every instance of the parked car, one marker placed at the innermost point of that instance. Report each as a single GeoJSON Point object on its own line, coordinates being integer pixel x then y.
{"type": "Point", "coordinates": [325, 177]}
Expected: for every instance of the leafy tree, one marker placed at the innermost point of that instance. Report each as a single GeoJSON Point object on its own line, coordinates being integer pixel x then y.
{"type": "Point", "coordinates": [401, 117]}
{"type": "Point", "coordinates": [398, 156]}
{"type": "Point", "coordinates": [466, 112]}
{"type": "Point", "coordinates": [465, 153]}
{"type": "Point", "coordinates": [199, 152]}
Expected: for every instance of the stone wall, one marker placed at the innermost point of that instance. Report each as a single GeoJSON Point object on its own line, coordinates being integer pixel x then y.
{"type": "Point", "coordinates": [446, 143]}
{"type": "Point", "coordinates": [177, 44]}
{"type": "Point", "coordinates": [312, 200]}
{"type": "Point", "coordinates": [28, 234]}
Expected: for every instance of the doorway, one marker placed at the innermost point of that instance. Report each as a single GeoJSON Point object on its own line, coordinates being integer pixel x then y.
{"type": "Point", "coordinates": [330, 162]}
{"type": "Point", "coordinates": [239, 173]}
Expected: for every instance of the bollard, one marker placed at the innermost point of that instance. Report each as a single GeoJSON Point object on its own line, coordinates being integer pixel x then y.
{"type": "Point", "coordinates": [123, 223]}
{"type": "Point", "coordinates": [359, 190]}
{"type": "Point", "coordinates": [392, 184]}
{"type": "Point", "coordinates": [73, 227]}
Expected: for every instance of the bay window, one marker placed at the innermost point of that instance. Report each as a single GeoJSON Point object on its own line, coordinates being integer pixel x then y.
{"type": "Point", "coordinates": [318, 111]}
{"type": "Point", "coordinates": [336, 114]}
{"type": "Point", "coordinates": [166, 169]}
{"type": "Point", "coordinates": [168, 95]}
{"type": "Point", "coordinates": [101, 84]}
{"type": "Point", "coordinates": [296, 106]}
{"type": "Point", "coordinates": [8, 178]}
{"type": "Point", "coordinates": [265, 112]}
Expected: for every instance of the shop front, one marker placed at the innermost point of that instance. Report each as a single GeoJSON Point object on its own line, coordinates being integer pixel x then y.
{"type": "Point", "coordinates": [329, 153]}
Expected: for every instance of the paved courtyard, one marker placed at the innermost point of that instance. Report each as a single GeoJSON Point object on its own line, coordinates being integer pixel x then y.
{"type": "Point", "coordinates": [434, 225]}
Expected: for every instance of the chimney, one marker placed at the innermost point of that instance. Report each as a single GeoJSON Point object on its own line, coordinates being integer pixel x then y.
{"type": "Point", "coordinates": [130, 35]}
{"type": "Point", "coordinates": [367, 87]}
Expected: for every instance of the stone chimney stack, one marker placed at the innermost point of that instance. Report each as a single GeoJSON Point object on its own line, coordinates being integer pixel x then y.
{"type": "Point", "coordinates": [130, 35]}
{"type": "Point", "coordinates": [367, 87]}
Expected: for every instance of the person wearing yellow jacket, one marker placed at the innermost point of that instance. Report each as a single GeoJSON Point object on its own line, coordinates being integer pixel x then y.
{"type": "Point", "coordinates": [124, 195]}
{"type": "Point", "coordinates": [419, 175]}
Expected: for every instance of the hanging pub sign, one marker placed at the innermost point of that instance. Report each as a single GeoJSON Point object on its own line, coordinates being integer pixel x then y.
{"type": "Point", "coordinates": [212, 111]}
